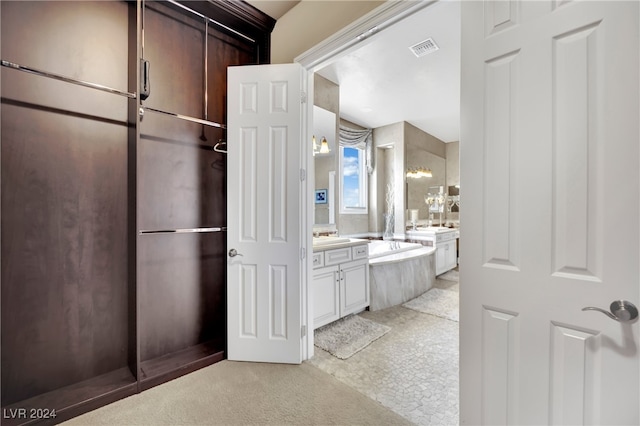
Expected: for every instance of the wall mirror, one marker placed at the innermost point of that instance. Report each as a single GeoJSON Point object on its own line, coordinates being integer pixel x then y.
{"type": "Point", "coordinates": [453, 199]}
{"type": "Point", "coordinates": [324, 126]}
{"type": "Point", "coordinates": [417, 188]}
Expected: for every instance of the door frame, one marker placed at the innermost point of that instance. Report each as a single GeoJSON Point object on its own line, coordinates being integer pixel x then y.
{"type": "Point", "coordinates": [321, 55]}
{"type": "Point", "coordinates": [343, 42]}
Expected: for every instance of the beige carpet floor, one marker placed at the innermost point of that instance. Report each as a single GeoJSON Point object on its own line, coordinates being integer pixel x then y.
{"type": "Point", "coordinates": [234, 393]}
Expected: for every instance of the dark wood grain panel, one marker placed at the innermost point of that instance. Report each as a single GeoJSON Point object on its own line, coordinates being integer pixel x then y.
{"type": "Point", "coordinates": [85, 300]}
{"type": "Point", "coordinates": [179, 363]}
{"type": "Point", "coordinates": [240, 16]}
{"type": "Point", "coordinates": [182, 291]}
{"type": "Point", "coordinates": [223, 54]}
{"type": "Point", "coordinates": [64, 251]}
{"type": "Point", "coordinates": [182, 184]}
{"type": "Point", "coordinates": [72, 400]}
{"type": "Point", "coordinates": [64, 216]}
{"type": "Point", "coordinates": [133, 135]}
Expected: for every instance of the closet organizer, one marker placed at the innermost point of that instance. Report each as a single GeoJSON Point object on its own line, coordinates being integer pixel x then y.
{"type": "Point", "coordinates": [113, 196]}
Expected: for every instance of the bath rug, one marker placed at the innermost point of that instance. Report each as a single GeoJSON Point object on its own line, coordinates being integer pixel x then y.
{"type": "Point", "coordinates": [438, 302]}
{"type": "Point", "coordinates": [451, 275]}
{"type": "Point", "coordinates": [348, 335]}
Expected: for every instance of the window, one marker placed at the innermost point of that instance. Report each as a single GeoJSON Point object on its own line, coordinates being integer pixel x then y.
{"type": "Point", "coordinates": [353, 180]}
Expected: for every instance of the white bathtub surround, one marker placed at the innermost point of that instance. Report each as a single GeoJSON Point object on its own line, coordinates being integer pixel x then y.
{"type": "Point", "coordinates": [399, 275]}
{"type": "Point", "coordinates": [388, 250]}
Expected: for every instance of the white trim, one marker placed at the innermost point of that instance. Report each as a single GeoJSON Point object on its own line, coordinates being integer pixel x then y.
{"type": "Point", "coordinates": [307, 212]}
{"type": "Point", "coordinates": [351, 36]}
{"type": "Point", "coordinates": [313, 59]}
{"type": "Point", "coordinates": [332, 198]}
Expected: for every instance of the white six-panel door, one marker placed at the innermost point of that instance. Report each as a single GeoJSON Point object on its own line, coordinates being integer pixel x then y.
{"type": "Point", "coordinates": [549, 212]}
{"type": "Point", "coordinates": [264, 279]}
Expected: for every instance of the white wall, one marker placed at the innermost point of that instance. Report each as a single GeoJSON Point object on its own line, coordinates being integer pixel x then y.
{"type": "Point", "coordinates": [393, 135]}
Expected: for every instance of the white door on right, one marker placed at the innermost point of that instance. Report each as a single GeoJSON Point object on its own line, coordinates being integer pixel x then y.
{"type": "Point", "coordinates": [550, 219]}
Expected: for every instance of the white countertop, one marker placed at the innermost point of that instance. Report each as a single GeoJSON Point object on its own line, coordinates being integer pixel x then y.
{"type": "Point", "coordinates": [328, 243]}
{"type": "Point", "coordinates": [433, 233]}
{"type": "Point", "coordinates": [431, 230]}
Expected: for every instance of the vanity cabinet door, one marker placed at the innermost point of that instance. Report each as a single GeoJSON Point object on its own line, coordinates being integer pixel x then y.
{"type": "Point", "coordinates": [326, 295]}
{"type": "Point", "coordinates": [354, 286]}
{"type": "Point", "coordinates": [446, 257]}
{"type": "Point", "coordinates": [451, 255]}
{"type": "Point", "coordinates": [441, 259]}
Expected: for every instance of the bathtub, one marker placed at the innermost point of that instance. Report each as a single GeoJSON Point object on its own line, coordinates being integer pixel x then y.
{"type": "Point", "coordinates": [399, 272]}
{"type": "Point", "coordinates": [383, 250]}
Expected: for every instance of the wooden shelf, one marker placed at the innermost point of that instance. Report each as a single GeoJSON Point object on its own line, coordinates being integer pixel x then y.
{"type": "Point", "coordinates": [71, 400]}
{"type": "Point", "coordinates": [171, 366]}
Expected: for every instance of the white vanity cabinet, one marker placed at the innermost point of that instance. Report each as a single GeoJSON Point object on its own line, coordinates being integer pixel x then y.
{"type": "Point", "coordinates": [446, 256]}
{"type": "Point", "coordinates": [354, 287]}
{"type": "Point", "coordinates": [340, 283]}
{"type": "Point", "coordinates": [444, 240]}
{"type": "Point", "coordinates": [326, 295]}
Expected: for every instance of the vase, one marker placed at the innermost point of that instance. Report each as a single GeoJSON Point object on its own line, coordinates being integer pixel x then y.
{"type": "Point", "coordinates": [388, 226]}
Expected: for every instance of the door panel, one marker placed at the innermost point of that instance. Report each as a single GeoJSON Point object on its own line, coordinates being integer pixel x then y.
{"type": "Point", "coordinates": [549, 171]}
{"type": "Point", "coordinates": [263, 185]}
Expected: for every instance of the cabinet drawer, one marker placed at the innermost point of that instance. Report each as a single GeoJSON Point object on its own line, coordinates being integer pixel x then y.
{"type": "Point", "coordinates": [360, 252]}
{"type": "Point", "coordinates": [318, 259]}
{"type": "Point", "coordinates": [335, 256]}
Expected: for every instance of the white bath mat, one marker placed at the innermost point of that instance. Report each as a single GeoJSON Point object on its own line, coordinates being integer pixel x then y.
{"type": "Point", "coordinates": [438, 302]}
{"type": "Point", "coordinates": [348, 335]}
{"type": "Point", "coordinates": [451, 275]}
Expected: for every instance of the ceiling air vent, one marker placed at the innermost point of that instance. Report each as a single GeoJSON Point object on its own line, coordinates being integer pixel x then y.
{"type": "Point", "coordinates": [424, 47]}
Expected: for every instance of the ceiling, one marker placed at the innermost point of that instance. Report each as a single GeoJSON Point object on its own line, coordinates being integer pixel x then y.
{"type": "Point", "coordinates": [383, 82]}
{"type": "Point", "coordinates": [274, 8]}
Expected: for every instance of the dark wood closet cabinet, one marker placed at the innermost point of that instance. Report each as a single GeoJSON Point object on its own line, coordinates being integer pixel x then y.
{"type": "Point", "coordinates": [93, 309]}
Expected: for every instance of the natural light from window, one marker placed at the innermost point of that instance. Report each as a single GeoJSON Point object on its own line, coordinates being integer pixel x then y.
{"type": "Point", "coordinates": [353, 180]}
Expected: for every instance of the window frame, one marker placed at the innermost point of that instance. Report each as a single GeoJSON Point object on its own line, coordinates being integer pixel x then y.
{"type": "Point", "coordinates": [363, 182]}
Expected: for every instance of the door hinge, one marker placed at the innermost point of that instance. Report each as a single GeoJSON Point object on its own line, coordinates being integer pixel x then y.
{"type": "Point", "coordinates": [303, 253]}
{"type": "Point", "coordinates": [303, 332]}
{"type": "Point", "coordinates": [303, 175]}
{"type": "Point", "coordinates": [303, 97]}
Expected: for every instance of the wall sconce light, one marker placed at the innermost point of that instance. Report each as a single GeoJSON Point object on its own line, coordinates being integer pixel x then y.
{"type": "Point", "coordinates": [419, 172]}
{"type": "Point", "coordinates": [324, 146]}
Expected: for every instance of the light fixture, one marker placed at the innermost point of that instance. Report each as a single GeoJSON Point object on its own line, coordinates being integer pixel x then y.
{"type": "Point", "coordinates": [324, 146]}
{"type": "Point", "coordinates": [419, 172]}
